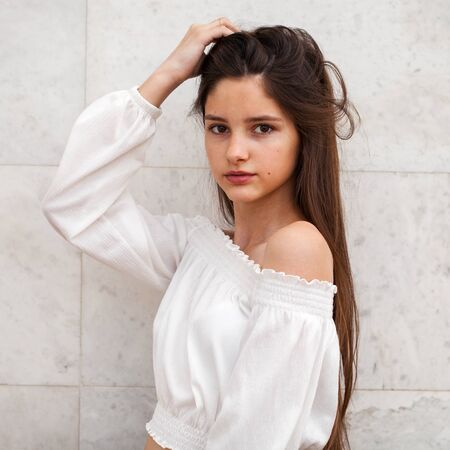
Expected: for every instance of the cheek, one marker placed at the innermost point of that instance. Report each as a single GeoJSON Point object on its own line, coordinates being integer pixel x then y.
{"type": "Point", "coordinates": [278, 163]}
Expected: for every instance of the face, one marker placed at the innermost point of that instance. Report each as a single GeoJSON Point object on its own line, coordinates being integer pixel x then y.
{"type": "Point", "coordinates": [236, 140]}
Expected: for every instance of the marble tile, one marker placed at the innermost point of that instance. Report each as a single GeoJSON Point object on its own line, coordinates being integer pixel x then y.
{"type": "Point", "coordinates": [400, 420]}
{"type": "Point", "coordinates": [394, 60]}
{"type": "Point", "coordinates": [40, 293]}
{"type": "Point", "coordinates": [43, 78]}
{"type": "Point", "coordinates": [61, 56]}
{"type": "Point", "coordinates": [125, 45]}
{"type": "Point", "coordinates": [38, 417]}
{"type": "Point", "coordinates": [115, 418]}
{"type": "Point", "coordinates": [189, 191]}
{"type": "Point", "coordinates": [117, 327]}
{"type": "Point", "coordinates": [398, 242]}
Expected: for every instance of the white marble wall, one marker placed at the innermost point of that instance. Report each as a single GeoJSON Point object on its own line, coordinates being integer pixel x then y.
{"type": "Point", "coordinates": [76, 336]}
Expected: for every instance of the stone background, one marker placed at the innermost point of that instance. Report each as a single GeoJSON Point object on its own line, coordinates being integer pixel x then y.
{"type": "Point", "coordinates": [76, 336]}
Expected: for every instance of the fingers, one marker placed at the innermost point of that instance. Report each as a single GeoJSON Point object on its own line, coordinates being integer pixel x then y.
{"type": "Point", "coordinates": [214, 30]}
{"type": "Point", "coordinates": [220, 27]}
{"type": "Point", "coordinates": [222, 31]}
{"type": "Point", "coordinates": [224, 21]}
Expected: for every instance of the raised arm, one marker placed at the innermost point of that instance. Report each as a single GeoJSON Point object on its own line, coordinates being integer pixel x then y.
{"type": "Point", "coordinates": [89, 204]}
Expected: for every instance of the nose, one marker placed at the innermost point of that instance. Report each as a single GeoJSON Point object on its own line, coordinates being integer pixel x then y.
{"type": "Point", "coordinates": [237, 147]}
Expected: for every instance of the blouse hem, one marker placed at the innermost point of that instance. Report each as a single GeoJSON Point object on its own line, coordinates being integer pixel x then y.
{"type": "Point", "coordinates": [169, 431]}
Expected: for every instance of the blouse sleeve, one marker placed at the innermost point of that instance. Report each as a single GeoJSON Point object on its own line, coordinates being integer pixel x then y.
{"type": "Point", "coordinates": [89, 204]}
{"type": "Point", "coordinates": [282, 393]}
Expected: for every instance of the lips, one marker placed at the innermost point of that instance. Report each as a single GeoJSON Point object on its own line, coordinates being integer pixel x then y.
{"type": "Point", "coordinates": [240, 179]}
{"type": "Point", "coordinates": [238, 172]}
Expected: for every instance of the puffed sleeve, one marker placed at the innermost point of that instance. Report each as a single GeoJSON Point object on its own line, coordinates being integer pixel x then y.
{"type": "Point", "coordinates": [282, 393]}
{"type": "Point", "coordinates": [89, 204]}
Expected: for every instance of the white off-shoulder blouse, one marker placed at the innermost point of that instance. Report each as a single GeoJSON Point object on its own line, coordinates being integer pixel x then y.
{"type": "Point", "coordinates": [244, 358]}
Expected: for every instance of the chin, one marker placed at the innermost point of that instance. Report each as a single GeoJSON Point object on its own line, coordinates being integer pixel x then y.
{"type": "Point", "coordinates": [242, 197]}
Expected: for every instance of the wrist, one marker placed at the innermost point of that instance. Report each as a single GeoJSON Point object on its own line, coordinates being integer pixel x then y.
{"type": "Point", "coordinates": [157, 87]}
{"type": "Point", "coordinates": [169, 74]}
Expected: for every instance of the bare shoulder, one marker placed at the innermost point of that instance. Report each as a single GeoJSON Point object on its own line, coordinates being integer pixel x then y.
{"type": "Point", "coordinates": [300, 249]}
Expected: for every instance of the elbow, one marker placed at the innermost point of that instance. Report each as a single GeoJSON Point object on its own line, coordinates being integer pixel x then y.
{"type": "Point", "coordinates": [45, 208]}
{"type": "Point", "coordinates": [53, 222]}
{"type": "Point", "coordinates": [52, 218]}
{"type": "Point", "coordinates": [45, 203]}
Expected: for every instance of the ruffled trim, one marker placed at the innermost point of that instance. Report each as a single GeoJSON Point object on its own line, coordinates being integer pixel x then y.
{"type": "Point", "coordinates": [292, 280]}
{"type": "Point", "coordinates": [158, 439]}
{"type": "Point", "coordinates": [297, 280]}
{"type": "Point", "coordinates": [181, 435]}
{"type": "Point", "coordinates": [237, 250]}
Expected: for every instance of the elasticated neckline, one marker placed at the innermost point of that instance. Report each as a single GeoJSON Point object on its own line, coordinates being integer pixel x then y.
{"type": "Point", "coordinates": [277, 276]}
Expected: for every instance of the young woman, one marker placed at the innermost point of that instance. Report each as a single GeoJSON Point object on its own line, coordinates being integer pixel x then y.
{"type": "Point", "coordinates": [252, 335]}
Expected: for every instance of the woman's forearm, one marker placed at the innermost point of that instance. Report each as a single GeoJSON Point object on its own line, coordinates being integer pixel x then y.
{"type": "Point", "coordinates": [157, 87]}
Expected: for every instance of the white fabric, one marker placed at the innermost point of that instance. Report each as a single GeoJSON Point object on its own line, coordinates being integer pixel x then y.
{"type": "Point", "coordinates": [244, 358]}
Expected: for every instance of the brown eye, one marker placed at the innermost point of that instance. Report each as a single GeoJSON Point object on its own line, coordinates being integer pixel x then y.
{"type": "Point", "coordinates": [214, 126]}
{"type": "Point", "coordinates": [264, 125]}
{"type": "Point", "coordinates": [267, 129]}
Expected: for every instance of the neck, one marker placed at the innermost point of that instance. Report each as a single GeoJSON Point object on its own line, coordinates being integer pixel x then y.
{"type": "Point", "coordinates": [256, 221]}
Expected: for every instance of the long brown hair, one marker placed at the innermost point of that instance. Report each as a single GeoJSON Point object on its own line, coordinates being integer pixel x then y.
{"type": "Point", "coordinates": [295, 75]}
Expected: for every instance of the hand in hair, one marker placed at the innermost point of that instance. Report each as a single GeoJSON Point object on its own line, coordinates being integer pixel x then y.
{"type": "Point", "coordinates": [184, 61]}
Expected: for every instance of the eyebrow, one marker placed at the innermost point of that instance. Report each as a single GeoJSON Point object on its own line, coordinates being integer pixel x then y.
{"type": "Point", "coordinates": [249, 119]}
